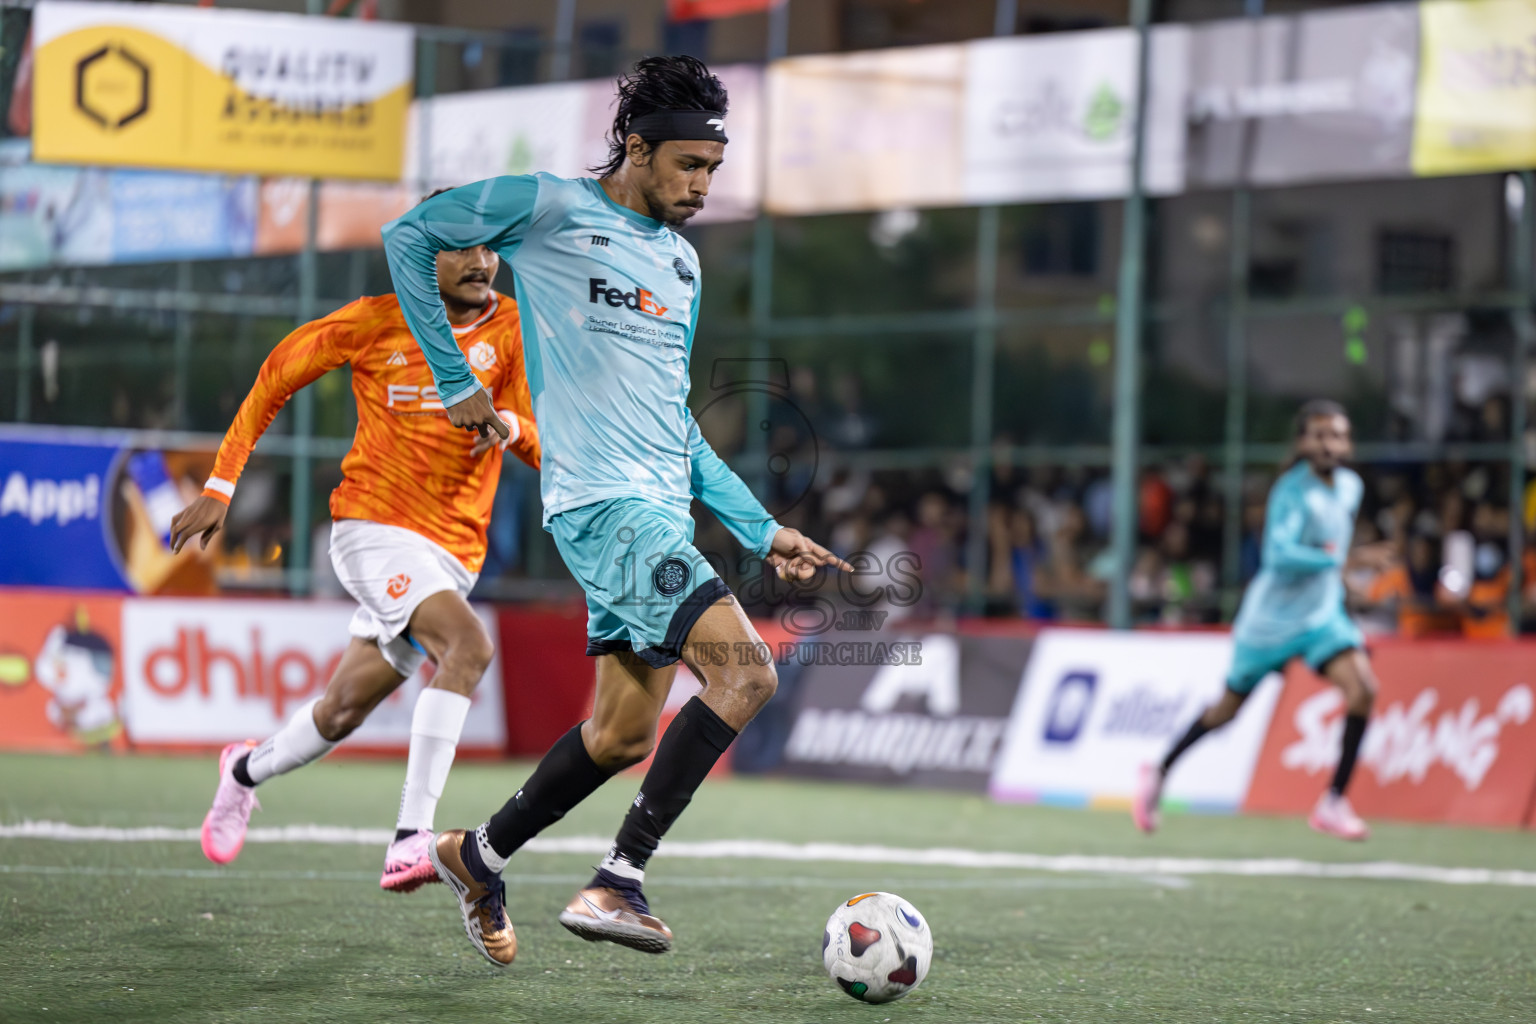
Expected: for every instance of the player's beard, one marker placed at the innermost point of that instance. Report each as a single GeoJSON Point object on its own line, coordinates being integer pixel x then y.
{"type": "Point", "coordinates": [673, 215]}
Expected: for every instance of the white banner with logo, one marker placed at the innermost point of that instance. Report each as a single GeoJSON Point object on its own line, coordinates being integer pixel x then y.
{"type": "Point", "coordinates": [1054, 117]}
{"type": "Point", "coordinates": [1096, 706]}
{"type": "Point", "coordinates": [208, 672]}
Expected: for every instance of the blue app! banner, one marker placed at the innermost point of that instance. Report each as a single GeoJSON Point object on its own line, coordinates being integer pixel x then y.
{"type": "Point", "coordinates": [160, 215]}
{"type": "Point", "coordinates": [56, 515]}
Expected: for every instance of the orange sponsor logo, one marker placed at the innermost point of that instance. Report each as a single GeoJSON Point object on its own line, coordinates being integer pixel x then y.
{"type": "Point", "coordinates": [858, 898]}
{"type": "Point", "coordinates": [398, 585]}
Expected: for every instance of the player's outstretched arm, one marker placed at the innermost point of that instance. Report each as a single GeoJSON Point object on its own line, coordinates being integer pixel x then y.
{"type": "Point", "coordinates": [794, 556]}
{"type": "Point", "coordinates": [494, 213]}
{"type": "Point", "coordinates": [790, 552]}
{"type": "Point", "coordinates": [303, 357]}
{"type": "Point", "coordinates": [1283, 547]}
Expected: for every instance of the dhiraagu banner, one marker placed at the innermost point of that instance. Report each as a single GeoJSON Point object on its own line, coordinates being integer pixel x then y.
{"type": "Point", "coordinates": [198, 88]}
{"type": "Point", "coordinates": [1477, 93]}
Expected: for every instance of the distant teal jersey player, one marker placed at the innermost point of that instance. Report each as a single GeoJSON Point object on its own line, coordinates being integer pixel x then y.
{"type": "Point", "coordinates": [610, 302]}
{"type": "Point", "coordinates": [1295, 605]}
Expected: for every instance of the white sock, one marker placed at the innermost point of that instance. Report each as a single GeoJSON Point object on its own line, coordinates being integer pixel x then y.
{"type": "Point", "coordinates": [293, 746]}
{"type": "Point", "coordinates": [488, 854]}
{"type": "Point", "coordinates": [435, 728]}
{"type": "Point", "coordinates": [617, 865]}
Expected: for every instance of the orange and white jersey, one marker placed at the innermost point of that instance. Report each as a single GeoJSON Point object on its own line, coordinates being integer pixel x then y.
{"type": "Point", "coordinates": [408, 466]}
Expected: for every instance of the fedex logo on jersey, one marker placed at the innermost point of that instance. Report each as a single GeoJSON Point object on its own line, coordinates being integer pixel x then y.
{"type": "Point", "coordinates": [639, 299]}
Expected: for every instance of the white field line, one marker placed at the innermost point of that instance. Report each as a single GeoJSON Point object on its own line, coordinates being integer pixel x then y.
{"type": "Point", "coordinates": [658, 882]}
{"type": "Point", "coordinates": [843, 853]}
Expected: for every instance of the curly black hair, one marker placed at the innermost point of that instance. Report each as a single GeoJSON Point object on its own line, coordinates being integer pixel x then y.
{"type": "Point", "coordinates": [659, 83]}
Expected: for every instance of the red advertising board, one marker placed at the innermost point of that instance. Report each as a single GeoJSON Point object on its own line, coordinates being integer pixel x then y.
{"type": "Point", "coordinates": [60, 670]}
{"type": "Point", "coordinates": [1452, 738]}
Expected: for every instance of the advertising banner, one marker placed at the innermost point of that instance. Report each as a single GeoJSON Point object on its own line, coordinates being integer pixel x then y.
{"type": "Point", "coordinates": [920, 710]}
{"type": "Point", "coordinates": [1054, 117]}
{"type": "Point", "coordinates": [1096, 706]}
{"type": "Point", "coordinates": [864, 131]}
{"type": "Point", "coordinates": [60, 674]}
{"type": "Point", "coordinates": [206, 673]}
{"type": "Point", "coordinates": [1287, 99]}
{"type": "Point", "coordinates": [92, 509]}
{"type": "Point", "coordinates": [1452, 738]}
{"type": "Point", "coordinates": [469, 136]}
{"type": "Point", "coordinates": [1476, 92]}
{"type": "Point", "coordinates": [54, 215]}
{"type": "Point", "coordinates": [163, 215]}
{"type": "Point", "coordinates": [56, 514]}
{"type": "Point", "coordinates": [162, 85]}
{"type": "Point", "coordinates": [351, 214]}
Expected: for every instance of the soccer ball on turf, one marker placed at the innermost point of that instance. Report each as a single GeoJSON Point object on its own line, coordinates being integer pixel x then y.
{"type": "Point", "coordinates": [877, 947]}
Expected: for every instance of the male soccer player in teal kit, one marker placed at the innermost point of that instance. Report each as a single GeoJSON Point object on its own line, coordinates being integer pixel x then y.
{"type": "Point", "coordinates": [609, 295]}
{"type": "Point", "coordinates": [1295, 609]}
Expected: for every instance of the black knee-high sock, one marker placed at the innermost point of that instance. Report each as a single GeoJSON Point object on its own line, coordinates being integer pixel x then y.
{"type": "Point", "coordinates": [1197, 729]}
{"type": "Point", "coordinates": [564, 778]}
{"type": "Point", "coordinates": [693, 743]}
{"type": "Point", "coordinates": [1349, 750]}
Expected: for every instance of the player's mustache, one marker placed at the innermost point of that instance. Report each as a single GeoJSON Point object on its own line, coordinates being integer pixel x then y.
{"type": "Point", "coordinates": [477, 277]}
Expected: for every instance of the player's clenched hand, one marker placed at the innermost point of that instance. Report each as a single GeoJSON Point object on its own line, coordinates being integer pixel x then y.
{"type": "Point", "coordinates": [204, 516]}
{"type": "Point", "coordinates": [794, 556]}
{"type": "Point", "coordinates": [477, 413]}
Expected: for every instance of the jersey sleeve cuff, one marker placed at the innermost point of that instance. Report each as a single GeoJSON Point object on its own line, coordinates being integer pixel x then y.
{"type": "Point", "coordinates": [514, 428]}
{"type": "Point", "coordinates": [770, 530]}
{"type": "Point", "coordinates": [449, 401]}
{"type": "Point", "coordinates": [218, 490]}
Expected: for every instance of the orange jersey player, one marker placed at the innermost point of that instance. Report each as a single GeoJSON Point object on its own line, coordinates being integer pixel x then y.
{"type": "Point", "coordinates": [408, 540]}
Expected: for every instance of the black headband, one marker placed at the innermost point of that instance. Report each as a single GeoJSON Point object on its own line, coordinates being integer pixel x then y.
{"type": "Point", "coordinates": [693, 125]}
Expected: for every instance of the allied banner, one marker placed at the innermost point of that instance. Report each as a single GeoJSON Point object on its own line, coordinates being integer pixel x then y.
{"type": "Point", "coordinates": [168, 86]}
{"type": "Point", "coordinates": [1476, 94]}
{"type": "Point", "coordinates": [921, 710]}
{"type": "Point", "coordinates": [1452, 738]}
{"type": "Point", "coordinates": [866, 131]}
{"type": "Point", "coordinates": [205, 673]}
{"type": "Point", "coordinates": [1096, 706]}
{"type": "Point", "coordinates": [1054, 117]}
{"type": "Point", "coordinates": [1321, 96]}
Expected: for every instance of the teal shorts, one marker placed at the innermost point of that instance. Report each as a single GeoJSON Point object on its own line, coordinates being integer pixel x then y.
{"type": "Point", "coordinates": [646, 583]}
{"type": "Point", "coordinates": [1250, 664]}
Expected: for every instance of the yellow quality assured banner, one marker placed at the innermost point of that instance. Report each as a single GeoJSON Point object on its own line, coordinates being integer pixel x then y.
{"type": "Point", "coordinates": [156, 85]}
{"type": "Point", "coordinates": [1477, 87]}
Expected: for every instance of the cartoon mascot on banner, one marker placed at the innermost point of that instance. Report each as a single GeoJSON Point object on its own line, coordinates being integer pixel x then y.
{"type": "Point", "coordinates": [75, 667]}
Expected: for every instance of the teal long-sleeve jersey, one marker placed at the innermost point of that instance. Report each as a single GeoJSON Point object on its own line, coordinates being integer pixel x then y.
{"type": "Point", "coordinates": [1308, 528]}
{"type": "Point", "coordinates": [609, 300]}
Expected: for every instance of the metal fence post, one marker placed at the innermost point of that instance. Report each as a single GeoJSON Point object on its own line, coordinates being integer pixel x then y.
{"type": "Point", "coordinates": [26, 326]}
{"type": "Point", "coordinates": [182, 348]}
{"type": "Point", "coordinates": [1126, 427]}
{"type": "Point", "coordinates": [301, 498]}
{"type": "Point", "coordinates": [1525, 335]}
{"type": "Point", "coordinates": [983, 369]}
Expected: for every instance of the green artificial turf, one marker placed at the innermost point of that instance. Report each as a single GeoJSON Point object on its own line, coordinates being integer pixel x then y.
{"type": "Point", "coordinates": [149, 931]}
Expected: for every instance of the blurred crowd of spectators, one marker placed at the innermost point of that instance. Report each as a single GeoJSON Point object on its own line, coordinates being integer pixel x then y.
{"type": "Point", "coordinates": [1446, 525]}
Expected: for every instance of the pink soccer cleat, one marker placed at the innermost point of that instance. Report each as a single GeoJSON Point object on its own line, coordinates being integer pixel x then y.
{"type": "Point", "coordinates": [1334, 816]}
{"type": "Point", "coordinates": [407, 864]}
{"type": "Point", "coordinates": [1149, 792]}
{"type": "Point", "coordinates": [224, 827]}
